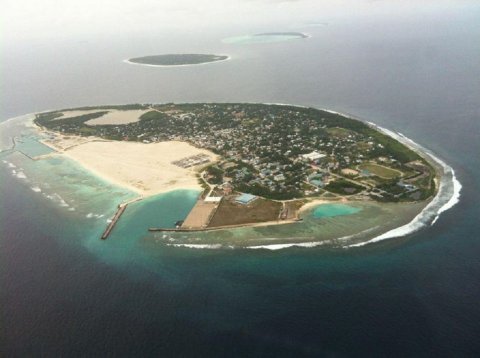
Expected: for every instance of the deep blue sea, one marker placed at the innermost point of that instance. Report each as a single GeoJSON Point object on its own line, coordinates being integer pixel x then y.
{"type": "Point", "coordinates": [63, 292]}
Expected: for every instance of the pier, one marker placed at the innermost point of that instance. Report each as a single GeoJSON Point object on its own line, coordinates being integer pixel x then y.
{"type": "Point", "coordinates": [121, 208]}
{"type": "Point", "coordinates": [111, 225]}
{"type": "Point", "coordinates": [223, 227]}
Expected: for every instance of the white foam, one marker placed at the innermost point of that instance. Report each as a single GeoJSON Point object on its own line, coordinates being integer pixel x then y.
{"type": "Point", "coordinates": [308, 243]}
{"type": "Point", "coordinates": [200, 246]}
{"type": "Point", "coordinates": [71, 209]}
{"type": "Point", "coordinates": [36, 189]}
{"type": "Point", "coordinates": [11, 165]}
{"type": "Point", "coordinates": [28, 116]}
{"type": "Point", "coordinates": [21, 175]}
{"type": "Point", "coordinates": [274, 247]}
{"type": "Point", "coordinates": [447, 196]}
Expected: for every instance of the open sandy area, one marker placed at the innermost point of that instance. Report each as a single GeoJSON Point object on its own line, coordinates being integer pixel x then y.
{"type": "Point", "coordinates": [143, 168]}
{"type": "Point", "coordinates": [75, 113]}
{"type": "Point", "coordinates": [112, 117]}
{"type": "Point", "coordinates": [200, 215]}
{"type": "Point", "coordinates": [117, 117]}
{"type": "Point", "coordinates": [61, 142]}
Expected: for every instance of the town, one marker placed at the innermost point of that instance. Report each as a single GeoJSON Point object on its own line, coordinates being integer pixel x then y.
{"type": "Point", "coordinates": [276, 152]}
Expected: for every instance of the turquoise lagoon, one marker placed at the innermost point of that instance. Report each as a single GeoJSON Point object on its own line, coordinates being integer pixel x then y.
{"type": "Point", "coordinates": [30, 146]}
{"type": "Point", "coordinates": [331, 210]}
{"type": "Point", "coordinates": [89, 202]}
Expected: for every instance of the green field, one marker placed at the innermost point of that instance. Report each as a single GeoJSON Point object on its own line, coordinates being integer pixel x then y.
{"type": "Point", "coordinates": [380, 171]}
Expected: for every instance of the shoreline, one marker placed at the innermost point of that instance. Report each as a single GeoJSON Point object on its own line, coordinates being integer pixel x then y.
{"type": "Point", "coordinates": [185, 65]}
{"type": "Point", "coordinates": [182, 179]}
{"type": "Point", "coordinates": [314, 202]}
{"type": "Point", "coordinates": [429, 214]}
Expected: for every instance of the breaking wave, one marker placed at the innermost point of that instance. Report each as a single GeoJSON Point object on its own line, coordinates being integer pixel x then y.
{"type": "Point", "coordinates": [448, 195]}
{"type": "Point", "coordinates": [201, 246]}
{"type": "Point", "coordinates": [21, 175]}
{"type": "Point", "coordinates": [275, 247]}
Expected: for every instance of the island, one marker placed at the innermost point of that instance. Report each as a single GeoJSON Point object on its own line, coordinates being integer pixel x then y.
{"type": "Point", "coordinates": [177, 59]}
{"type": "Point", "coordinates": [255, 164]}
{"type": "Point", "coordinates": [265, 37]}
{"type": "Point", "coordinates": [287, 34]}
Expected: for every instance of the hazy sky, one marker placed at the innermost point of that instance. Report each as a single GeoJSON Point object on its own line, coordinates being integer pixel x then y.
{"type": "Point", "coordinates": [30, 19]}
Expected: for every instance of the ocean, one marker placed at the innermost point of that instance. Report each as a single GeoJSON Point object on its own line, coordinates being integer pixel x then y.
{"type": "Point", "coordinates": [64, 292]}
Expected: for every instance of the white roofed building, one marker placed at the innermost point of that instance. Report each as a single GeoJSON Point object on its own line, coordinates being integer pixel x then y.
{"type": "Point", "coordinates": [313, 156]}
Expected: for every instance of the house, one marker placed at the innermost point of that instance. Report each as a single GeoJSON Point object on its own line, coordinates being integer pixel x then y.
{"type": "Point", "coordinates": [313, 156]}
{"type": "Point", "coordinates": [213, 199]}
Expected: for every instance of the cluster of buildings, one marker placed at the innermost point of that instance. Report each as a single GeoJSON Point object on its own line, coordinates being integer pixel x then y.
{"type": "Point", "coordinates": [281, 152]}
{"type": "Point", "coordinates": [192, 161]}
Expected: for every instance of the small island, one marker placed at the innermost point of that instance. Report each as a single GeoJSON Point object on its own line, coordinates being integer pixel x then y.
{"type": "Point", "coordinates": [255, 164]}
{"type": "Point", "coordinates": [287, 34]}
{"type": "Point", "coordinates": [265, 37]}
{"type": "Point", "coordinates": [177, 59]}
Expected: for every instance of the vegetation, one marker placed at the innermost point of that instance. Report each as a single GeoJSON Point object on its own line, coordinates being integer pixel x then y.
{"type": "Point", "coordinates": [275, 151]}
{"type": "Point", "coordinates": [215, 174]}
{"type": "Point", "coordinates": [380, 170]}
{"type": "Point", "coordinates": [69, 125]}
{"type": "Point", "coordinates": [344, 187]}
{"type": "Point", "coordinates": [177, 59]}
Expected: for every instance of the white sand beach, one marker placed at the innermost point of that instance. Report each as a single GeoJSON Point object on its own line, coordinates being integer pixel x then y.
{"type": "Point", "coordinates": [144, 168]}
{"type": "Point", "coordinates": [316, 202]}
